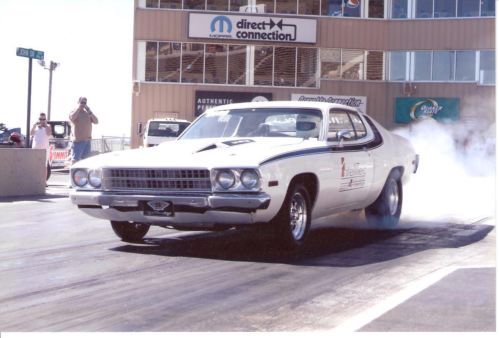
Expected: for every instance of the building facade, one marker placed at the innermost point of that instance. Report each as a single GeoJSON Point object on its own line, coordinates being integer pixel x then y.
{"type": "Point", "coordinates": [396, 60]}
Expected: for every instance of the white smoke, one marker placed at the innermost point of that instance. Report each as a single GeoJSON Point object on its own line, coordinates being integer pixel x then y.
{"type": "Point", "coordinates": [456, 176]}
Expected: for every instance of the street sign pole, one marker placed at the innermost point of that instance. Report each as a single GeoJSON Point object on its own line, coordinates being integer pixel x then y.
{"type": "Point", "coordinates": [29, 102]}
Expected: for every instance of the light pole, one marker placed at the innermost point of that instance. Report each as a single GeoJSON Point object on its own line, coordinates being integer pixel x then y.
{"type": "Point", "coordinates": [52, 66]}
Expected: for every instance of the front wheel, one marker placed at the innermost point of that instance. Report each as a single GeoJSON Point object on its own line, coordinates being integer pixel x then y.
{"type": "Point", "coordinates": [293, 221]}
{"type": "Point", "coordinates": [385, 211]}
{"type": "Point", "coordinates": [130, 231]}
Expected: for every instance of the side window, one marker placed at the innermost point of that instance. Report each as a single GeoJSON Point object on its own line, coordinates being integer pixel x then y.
{"type": "Point", "coordinates": [360, 129]}
{"type": "Point", "coordinates": [338, 120]}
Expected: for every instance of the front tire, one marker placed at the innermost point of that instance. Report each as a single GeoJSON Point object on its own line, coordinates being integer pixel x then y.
{"type": "Point", "coordinates": [385, 211]}
{"type": "Point", "coordinates": [293, 221]}
{"type": "Point", "coordinates": [130, 231]}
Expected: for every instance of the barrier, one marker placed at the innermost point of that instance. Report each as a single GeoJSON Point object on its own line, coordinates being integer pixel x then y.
{"type": "Point", "coordinates": [22, 172]}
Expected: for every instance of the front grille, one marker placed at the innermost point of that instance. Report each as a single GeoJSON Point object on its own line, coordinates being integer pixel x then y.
{"type": "Point", "coordinates": [167, 180]}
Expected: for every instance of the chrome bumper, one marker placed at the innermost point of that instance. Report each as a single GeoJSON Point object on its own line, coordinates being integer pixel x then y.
{"type": "Point", "coordinates": [242, 202]}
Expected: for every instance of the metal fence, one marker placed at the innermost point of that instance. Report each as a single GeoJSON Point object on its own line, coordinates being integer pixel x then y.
{"type": "Point", "coordinates": [109, 143]}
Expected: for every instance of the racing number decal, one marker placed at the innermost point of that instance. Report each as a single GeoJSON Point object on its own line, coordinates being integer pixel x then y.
{"type": "Point", "coordinates": [353, 176]}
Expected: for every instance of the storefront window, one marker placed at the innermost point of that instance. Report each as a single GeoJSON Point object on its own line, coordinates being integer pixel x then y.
{"type": "Point", "coordinates": [398, 66]}
{"type": "Point", "coordinates": [169, 62]}
{"type": "Point", "coordinates": [263, 65]}
{"type": "Point", "coordinates": [487, 8]}
{"type": "Point", "coordinates": [421, 70]}
{"type": "Point", "coordinates": [468, 8]}
{"type": "Point", "coordinates": [487, 67]}
{"type": "Point", "coordinates": [445, 8]}
{"type": "Point", "coordinates": [399, 9]}
{"type": "Point", "coordinates": [443, 66]}
{"type": "Point", "coordinates": [375, 68]}
{"type": "Point", "coordinates": [332, 7]}
{"type": "Point", "coordinates": [330, 63]}
{"type": "Point", "coordinates": [192, 62]}
{"type": "Point", "coordinates": [237, 64]}
{"type": "Point", "coordinates": [285, 68]}
{"type": "Point", "coordinates": [152, 3]}
{"type": "Point", "coordinates": [465, 65]}
{"type": "Point", "coordinates": [352, 8]}
{"type": "Point", "coordinates": [285, 6]}
{"type": "Point", "coordinates": [264, 6]}
{"type": "Point", "coordinates": [352, 64]}
{"type": "Point", "coordinates": [238, 5]}
{"type": "Point", "coordinates": [173, 4]}
{"type": "Point", "coordinates": [194, 4]}
{"type": "Point", "coordinates": [151, 61]}
{"type": "Point", "coordinates": [376, 8]}
{"type": "Point", "coordinates": [424, 9]}
{"type": "Point", "coordinates": [215, 63]}
{"type": "Point", "coordinates": [217, 5]}
{"type": "Point", "coordinates": [309, 7]}
{"type": "Point", "coordinates": [306, 67]}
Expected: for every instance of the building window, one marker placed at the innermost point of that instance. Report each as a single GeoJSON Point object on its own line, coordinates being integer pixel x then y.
{"type": "Point", "coordinates": [465, 65]}
{"type": "Point", "coordinates": [152, 3]}
{"type": "Point", "coordinates": [376, 8]}
{"type": "Point", "coordinates": [306, 67]}
{"type": "Point", "coordinates": [194, 4]}
{"type": "Point", "coordinates": [445, 8]}
{"type": "Point", "coordinates": [215, 61]}
{"type": "Point", "coordinates": [309, 7]}
{"type": "Point", "coordinates": [352, 8]}
{"type": "Point", "coordinates": [172, 4]}
{"type": "Point", "coordinates": [421, 66]}
{"type": "Point", "coordinates": [399, 9]}
{"type": "Point", "coordinates": [332, 7]}
{"type": "Point", "coordinates": [285, 66]}
{"type": "Point", "coordinates": [487, 73]}
{"type": "Point", "coordinates": [424, 9]}
{"type": "Point", "coordinates": [217, 5]}
{"type": "Point", "coordinates": [487, 8]}
{"type": "Point", "coordinates": [285, 6]}
{"type": "Point", "coordinates": [398, 66]}
{"type": "Point", "coordinates": [352, 64]}
{"type": "Point", "coordinates": [151, 61]}
{"type": "Point", "coordinates": [252, 6]}
{"type": "Point", "coordinates": [169, 62]}
{"type": "Point", "coordinates": [375, 65]}
{"type": "Point", "coordinates": [330, 63]}
{"type": "Point", "coordinates": [443, 66]}
{"type": "Point", "coordinates": [468, 8]}
{"type": "Point", "coordinates": [263, 65]}
{"type": "Point", "coordinates": [192, 62]}
{"type": "Point", "coordinates": [237, 64]}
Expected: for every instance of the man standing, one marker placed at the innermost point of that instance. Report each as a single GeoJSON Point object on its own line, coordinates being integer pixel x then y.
{"type": "Point", "coordinates": [82, 118]}
{"type": "Point", "coordinates": [40, 133]}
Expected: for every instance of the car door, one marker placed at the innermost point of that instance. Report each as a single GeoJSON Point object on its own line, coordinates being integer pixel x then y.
{"type": "Point", "coordinates": [349, 140]}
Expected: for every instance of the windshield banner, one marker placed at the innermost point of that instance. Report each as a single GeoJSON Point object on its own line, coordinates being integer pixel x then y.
{"type": "Point", "coordinates": [359, 102]}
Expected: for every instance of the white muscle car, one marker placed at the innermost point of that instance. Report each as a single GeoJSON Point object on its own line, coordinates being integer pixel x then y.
{"type": "Point", "coordinates": [284, 166]}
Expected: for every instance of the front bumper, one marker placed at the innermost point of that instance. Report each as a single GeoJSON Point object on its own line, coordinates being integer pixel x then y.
{"type": "Point", "coordinates": [189, 209]}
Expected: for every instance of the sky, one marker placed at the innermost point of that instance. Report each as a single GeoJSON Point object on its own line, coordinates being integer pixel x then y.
{"type": "Point", "coordinates": [92, 40]}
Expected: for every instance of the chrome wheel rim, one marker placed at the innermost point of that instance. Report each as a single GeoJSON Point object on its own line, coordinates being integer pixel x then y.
{"type": "Point", "coordinates": [393, 197]}
{"type": "Point", "coordinates": [298, 216]}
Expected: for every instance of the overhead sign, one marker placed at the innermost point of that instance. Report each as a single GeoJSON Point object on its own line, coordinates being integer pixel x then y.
{"type": "Point", "coordinates": [252, 28]}
{"type": "Point", "coordinates": [442, 109]}
{"type": "Point", "coordinates": [209, 99]}
{"type": "Point", "coordinates": [359, 102]}
{"type": "Point", "coordinates": [30, 53]}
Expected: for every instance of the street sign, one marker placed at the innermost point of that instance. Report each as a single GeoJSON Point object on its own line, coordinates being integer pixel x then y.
{"type": "Point", "coordinates": [30, 53]}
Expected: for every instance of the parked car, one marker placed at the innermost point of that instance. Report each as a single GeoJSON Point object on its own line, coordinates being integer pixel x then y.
{"type": "Point", "coordinates": [284, 166]}
{"type": "Point", "coordinates": [161, 130]}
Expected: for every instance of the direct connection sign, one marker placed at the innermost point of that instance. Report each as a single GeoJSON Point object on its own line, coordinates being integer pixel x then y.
{"type": "Point", "coordinates": [30, 53]}
{"type": "Point", "coordinates": [252, 28]}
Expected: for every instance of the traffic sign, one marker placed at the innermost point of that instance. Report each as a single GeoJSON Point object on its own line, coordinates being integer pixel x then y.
{"type": "Point", "coordinates": [30, 53]}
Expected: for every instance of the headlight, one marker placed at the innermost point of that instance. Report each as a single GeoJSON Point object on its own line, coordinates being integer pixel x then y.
{"type": "Point", "coordinates": [80, 177]}
{"type": "Point", "coordinates": [249, 179]}
{"type": "Point", "coordinates": [226, 179]}
{"type": "Point", "coordinates": [95, 178]}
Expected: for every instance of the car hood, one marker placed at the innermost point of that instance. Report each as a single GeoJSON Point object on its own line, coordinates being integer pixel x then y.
{"type": "Point", "coordinates": [201, 153]}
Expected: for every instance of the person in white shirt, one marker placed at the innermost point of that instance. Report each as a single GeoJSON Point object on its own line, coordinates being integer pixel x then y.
{"type": "Point", "coordinates": [40, 134]}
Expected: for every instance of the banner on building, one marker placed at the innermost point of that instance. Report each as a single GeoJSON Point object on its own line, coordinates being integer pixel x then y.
{"type": "Point", "coordinates": [443, 109]}
{"type": "Point", "coordinates": [209, 99]}
{"type": "Point", "coordinates": [359, 102]}
{"type": "Point", "coordinates": [252, 28]}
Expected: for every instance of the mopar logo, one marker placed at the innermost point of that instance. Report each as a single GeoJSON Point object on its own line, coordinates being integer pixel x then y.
{"type": "Point", "coordinates": [222, 21]}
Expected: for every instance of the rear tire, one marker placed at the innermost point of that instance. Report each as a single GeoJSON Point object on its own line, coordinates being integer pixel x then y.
{"type": "Point", "coordinates": [130, 231]}
{"type": "Point", "coordinates": [292, 224]}
{"type": "Point", "coordinates": [385, 211]}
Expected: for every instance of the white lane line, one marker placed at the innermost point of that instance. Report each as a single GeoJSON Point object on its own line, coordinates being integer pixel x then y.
{"type": "Point", "coordinates": [355, 323]}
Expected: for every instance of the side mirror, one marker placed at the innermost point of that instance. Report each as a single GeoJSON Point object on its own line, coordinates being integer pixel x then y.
{"type": "Point", "coordinates": [139, 129]}
{"type": "Point", "coordinates": [344, 135]}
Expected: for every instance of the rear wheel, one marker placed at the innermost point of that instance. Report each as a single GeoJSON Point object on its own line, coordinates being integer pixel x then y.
{"type": "Point", "coordinates": [130, 231]}
{"type": "Point", "coordinates": [385, 211]}
{"type": "Point", "coordinates": [293, 221]}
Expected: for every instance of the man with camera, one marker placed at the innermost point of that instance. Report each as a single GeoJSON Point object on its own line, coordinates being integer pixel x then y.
{"type": "Point", "coordinates": [40, 135]}
{"type": "Point", "coordinates": [82, 118]}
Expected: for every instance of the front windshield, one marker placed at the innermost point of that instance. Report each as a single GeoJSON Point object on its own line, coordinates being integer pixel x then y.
{"type": "Point", "coordinates": [257, 122]}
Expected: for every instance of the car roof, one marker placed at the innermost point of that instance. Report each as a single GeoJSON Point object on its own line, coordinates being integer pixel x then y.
{"type": "Point", "coordinates": [284, 104]}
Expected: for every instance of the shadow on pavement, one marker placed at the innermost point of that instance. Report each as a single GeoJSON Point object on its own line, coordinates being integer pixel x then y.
{"type": "Point", "coordinates": [36, 198]}
{"type": "Point", "coordinates": [327, 247]}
